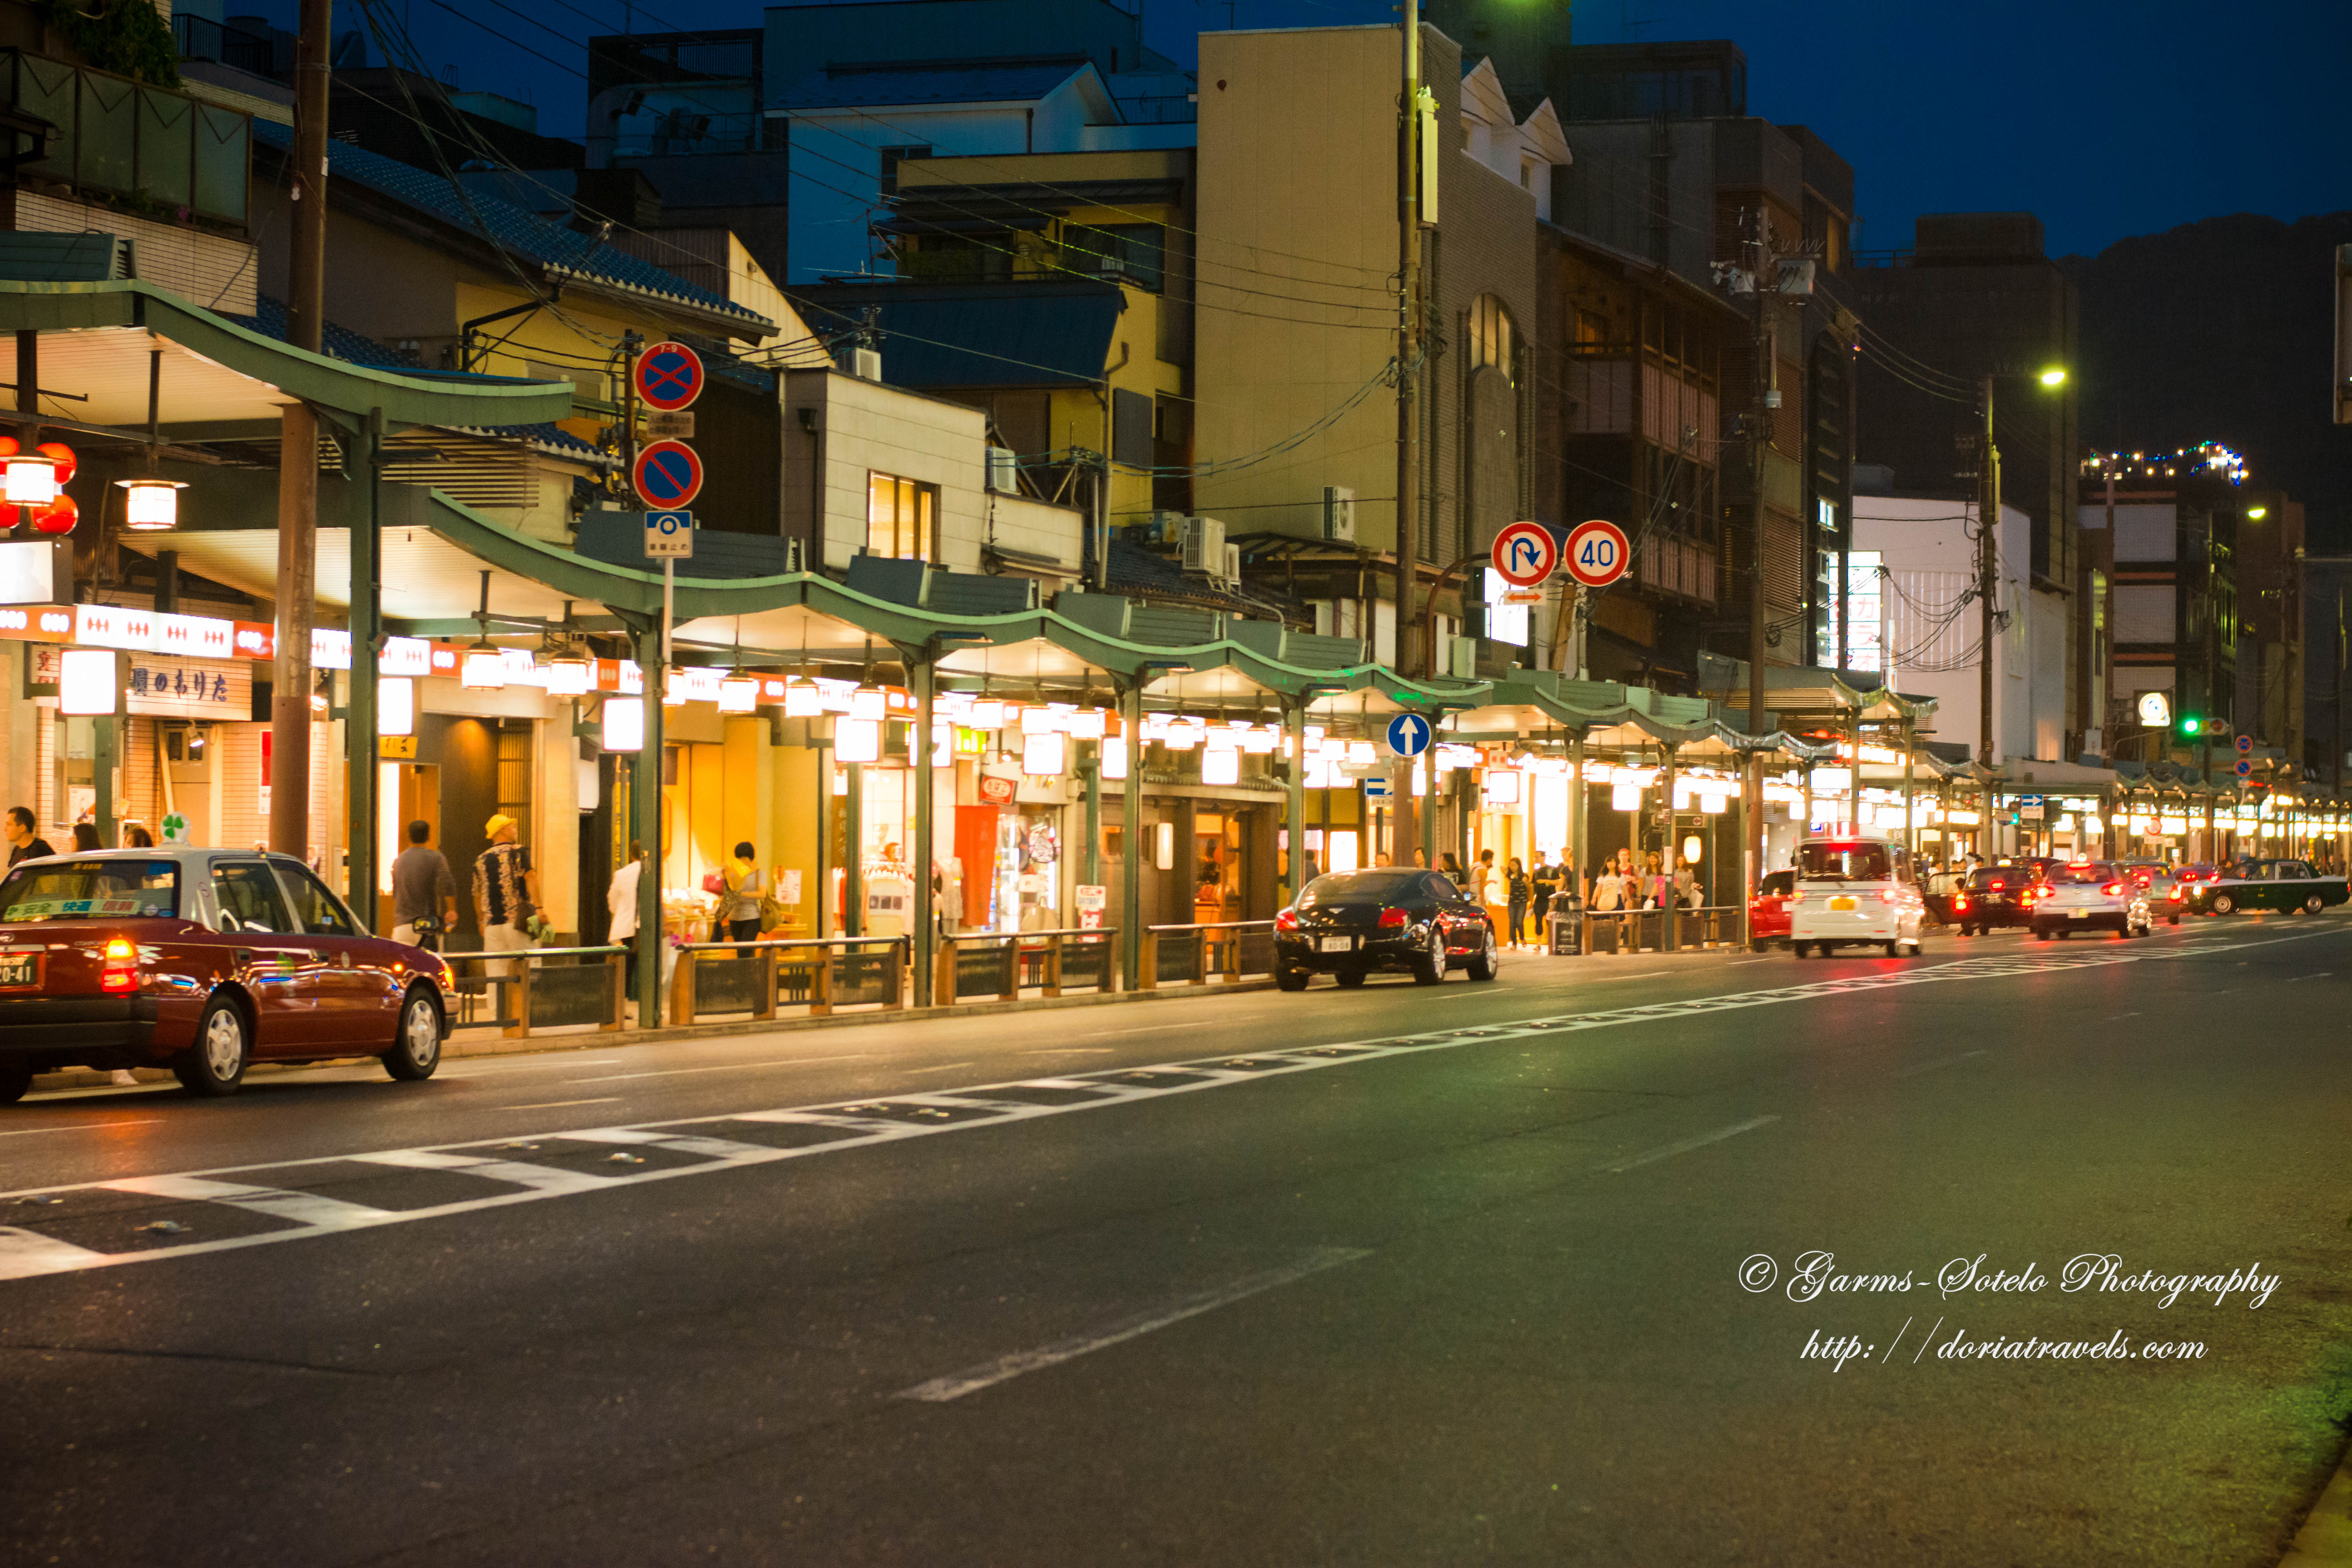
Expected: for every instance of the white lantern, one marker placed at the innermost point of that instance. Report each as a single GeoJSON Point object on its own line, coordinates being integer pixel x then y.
{"type": "Point", "coordinates": [1044, 754]}
{"type": "Point", "coordinates": [857, 739]}
{"type": "Point", "coordinates": [396, 705]}
{"type": "Point", "coordinates": [739, 694]}
{"type": "Point", "coordinates": [624, 724]}
{"type": "Point", "coordinates": [31, 479]}
{"type": "Point", "coordinates": [1625, 797]}
{"type": "Point", "coordinates": [870, 705]}
{"type": "Point", "coordinates": [484, 668]}
{"type": "Point", "coordinates": [86, 684]}
{"type": "Point", "coordinates": [1502, 786]}
{"type": "Point", "coordinates": [1114, 756]}
{"type": "Point", "coordinates": [1221, 765]}
{"type": "Point", "coordinates": [1087, 726]}
{"type": "Point", "coordinates": [570, 678]}
{"type": "Point", "coordinates": [987, 713]}
{"type": "Point", "coordinates": [803, 700]}
{"type": "Point", "coordinates": [150, 506]}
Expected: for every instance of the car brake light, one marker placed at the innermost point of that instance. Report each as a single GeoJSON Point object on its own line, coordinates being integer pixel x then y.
{"type": "Point", "coordinates": [2113, 889]}
{"type": "Point", "coordinates": [1888, 894]}
{"type": "Point", "coordinates": [1394, 918]}
{"type": "Point", "coordinates": [1287, 921]}
{"type": "Point", "coordinates": [1959, 904]}
{"type": "Point", "coordinates": [2174, 895]}
{"type": "Point", "coordinates": [1798, 897]}
{"type": "Point", "coordinates": [121, 971]}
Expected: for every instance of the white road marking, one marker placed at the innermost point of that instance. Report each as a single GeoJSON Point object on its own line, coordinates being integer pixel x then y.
{"type": "Point", "coordinates": [951, 1066]}
{"type": "Point", "coordinates": [80, 1127]}
{"type": "Point", "coordinates": [2321, 975]}
{"type": "Point", "coordinates": [1153, 1029]}
{"type": "Point", "coordinates": [988, 1373]}
{"type": "Point", "coordinates": [1668, 1150]}
{"type": "Point", "coordinates": [304, 1208]}
{"type": "Point", "coordinates": [864, 1123]}
{"type": "Point", "coordinates": [560, 1104]}
{"type": "Point", "coordinates": [727, 1066]}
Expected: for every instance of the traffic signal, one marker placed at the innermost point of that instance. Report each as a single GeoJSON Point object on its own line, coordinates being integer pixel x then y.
{"type": "Point", "coordinates": [2191, 726]}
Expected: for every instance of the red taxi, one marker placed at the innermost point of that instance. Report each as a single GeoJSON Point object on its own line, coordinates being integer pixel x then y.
{"type": "Point", "coordinates": [204, 960]}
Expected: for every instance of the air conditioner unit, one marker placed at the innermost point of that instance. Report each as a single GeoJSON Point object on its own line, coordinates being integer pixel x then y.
{"type": "Point", "coordinates": [1205, 545]}
{"type": "Point", "coordinates": [1232, 565]}
{"type": "Point", "coordinates": [866, 365]}
{"type": "Point", "coordinates": [1339, 514]}
{"type": "Point", "coordinates": [1003, 471]}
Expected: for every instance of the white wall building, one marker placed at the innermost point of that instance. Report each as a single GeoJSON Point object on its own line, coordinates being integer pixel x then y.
{"type": "Point", "coordinates": [1918, 558]}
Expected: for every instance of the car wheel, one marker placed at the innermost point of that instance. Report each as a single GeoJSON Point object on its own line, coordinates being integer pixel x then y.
{"type": "Point", "coordinates": [2311, 906]}
{"type": "Point", "coordinates": [1351, 977]}
{"type": "Point", "coordinates": [2224, 903]}
{"type": "Point", "coordinates": [416, 1050]}
{"type": "Point", "coordinates": [1289, 979]}
{"type": "Point", "coordinates": [2042, 933]}
{"type": "Point", "coordinates": [214, 1064]}
{"type": "Point", "coordinates": [15, 1079]}
{"type": "Point", "coordinates": [1429, 964]}
{"type": "Point", "coordinates": [2172, 920]}
{"type": "Point", "coordinates": [1893, 950]}
{"type": "Point", "coordinates": [1488, 963]}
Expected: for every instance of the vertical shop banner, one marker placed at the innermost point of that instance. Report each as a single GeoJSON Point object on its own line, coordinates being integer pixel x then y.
{"type": "Point", "coordinates": [1091, 902]}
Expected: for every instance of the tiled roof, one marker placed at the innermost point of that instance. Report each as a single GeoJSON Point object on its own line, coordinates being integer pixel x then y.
{"type": "Point", "coordinates": [525, 234]}
{"type": "Point", "coordinates": [952, 84]}
{"type": "Point", "coordinates": [1141, 575]}
{"type": "Point", "coordinates": [341, 343]}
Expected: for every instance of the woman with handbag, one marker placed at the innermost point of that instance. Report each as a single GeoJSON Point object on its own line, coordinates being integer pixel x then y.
{"type": "Point", "coordinates": [739, 891]}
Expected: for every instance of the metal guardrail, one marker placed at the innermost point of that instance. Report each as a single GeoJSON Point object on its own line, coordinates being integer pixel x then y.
{"type": "Point", "coordinates": [1219, 950]}
{"type": "Point", "coordinates": [1660, 930]}
{"type": "Point", "coordinates": [1001, 964]}
{"type": "Point", "coordinates": [525, 992]}
{"type": "Point", "coordinates": [819, 973]}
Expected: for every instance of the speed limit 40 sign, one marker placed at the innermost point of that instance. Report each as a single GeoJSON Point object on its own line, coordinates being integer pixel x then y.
{"type": "Point", "coordinates": [1597, 553]}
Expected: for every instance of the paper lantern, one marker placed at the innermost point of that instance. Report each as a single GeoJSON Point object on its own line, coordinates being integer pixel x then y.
{"type": "Point", "coordinates": [57, 515]}
{"type": "Point", "coordinates": [150, 506]}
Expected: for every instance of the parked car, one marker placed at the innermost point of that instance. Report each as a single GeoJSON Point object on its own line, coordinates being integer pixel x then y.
{"type": "Point", "coordinates": [2092, 895]}
{"type": "Point", "coordinates": [204, 960]}
{"type": "Point", "coordinates": [1768, 911]}
{"type": "Point", "coordinates": [1350, 924]}
{"type": "Point", "coordinates": [1994, 896]}
{"type": "Point", "coordinates": [1938, 891]}
{"type": "Point", "coordinates": [2289, 886]}
{"type": "Point", "coordinates": [1853, 890]}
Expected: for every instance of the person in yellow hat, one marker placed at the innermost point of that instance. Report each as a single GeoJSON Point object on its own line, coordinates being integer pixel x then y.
{"type": "Point", "coordinates": [506, 891]}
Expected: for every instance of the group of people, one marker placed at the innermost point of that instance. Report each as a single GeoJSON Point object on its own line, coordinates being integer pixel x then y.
{"type": "Point", "coordinates": [1520, 897]}
{"type": "Point", "coordinates": [25, 843]}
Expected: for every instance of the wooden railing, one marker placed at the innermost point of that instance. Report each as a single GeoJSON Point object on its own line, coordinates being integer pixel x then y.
{"type": "Point", "coordinates": [1002, 965]}
{"type": "Point", "coordinates": [757, 977]}
{"type": "Point", "coordinates": [524, 991]}
{"type": "Point", "coordinates": [1211, 951]}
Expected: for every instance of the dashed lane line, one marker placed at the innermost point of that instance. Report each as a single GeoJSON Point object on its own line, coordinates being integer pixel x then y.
{"type": "Point", "coordinates": [27, 1249]}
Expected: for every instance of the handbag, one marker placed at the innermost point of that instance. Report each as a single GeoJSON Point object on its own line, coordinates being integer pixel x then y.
{"type": "Point", "coordinates": [712, 882]}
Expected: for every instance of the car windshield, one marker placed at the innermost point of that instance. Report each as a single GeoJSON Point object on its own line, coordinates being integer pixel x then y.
{"type": "Point", "coordinates": [1386, 882]}
{"type": "Point", "coordinates": [85, 889]}
{"type": "Point", "coordinates": [1780, 883]}
{"type": "Point", "coordinates": [1830, 861]}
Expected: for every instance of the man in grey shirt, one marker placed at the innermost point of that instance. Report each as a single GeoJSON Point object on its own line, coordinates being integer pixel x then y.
{"type": "Point", "coordinates": [418, 878]}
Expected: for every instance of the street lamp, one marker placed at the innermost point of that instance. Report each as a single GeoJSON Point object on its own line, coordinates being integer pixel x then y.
{"type": "Point", "coordinates": [1987, 526]}
{"type": "Point", "coordinates": [2055, 376]}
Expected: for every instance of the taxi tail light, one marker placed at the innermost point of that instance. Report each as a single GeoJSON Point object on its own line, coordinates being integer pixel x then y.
{"type": "Point", "coordinates": [1960, 903]}
{"type": "Point", "coordinates": [2113, 889]}
{"type": "Point", "coordinates": [2175, 894]}
{"type": "Point", "coordinates": [1391, 919]}
{"type": "Point", "coordinates": [1886, 895]}
{"type": "Point", "coordinates": [1287, 921]}
{"type": "Point", "coordinates": [121, 971]}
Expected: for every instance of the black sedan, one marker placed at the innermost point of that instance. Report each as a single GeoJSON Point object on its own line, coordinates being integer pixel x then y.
{"type": "Point", "coordinates": [1352, 922]}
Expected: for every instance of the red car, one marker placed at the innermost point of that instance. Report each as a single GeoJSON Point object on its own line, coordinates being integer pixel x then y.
{"type": "Point", "coordinates": [1768, 911]}
{"type": "Point", "coordinates": [204, 960]}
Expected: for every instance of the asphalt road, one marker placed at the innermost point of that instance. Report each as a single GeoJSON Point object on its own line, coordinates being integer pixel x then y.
{"type": "Point", "coordinates": [1396, 1275]}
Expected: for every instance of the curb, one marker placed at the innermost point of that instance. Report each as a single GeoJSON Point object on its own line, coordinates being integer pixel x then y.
{"type": "Point", "coordinates": [597, 1040]}
{"type": "Point", "coordinates": [2326, 1534]}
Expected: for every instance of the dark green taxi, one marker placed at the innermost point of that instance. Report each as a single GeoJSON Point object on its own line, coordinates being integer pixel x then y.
{"type": "Point", "coordinates": [2292, 887]}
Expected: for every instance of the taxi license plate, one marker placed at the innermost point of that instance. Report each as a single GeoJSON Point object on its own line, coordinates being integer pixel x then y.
{"type": "Point", "coordinates": [1339, 944]}
{"type": "Point", "coordinates": [19, 969]}
{"type": "Point", "coordinates": [1842, 904]}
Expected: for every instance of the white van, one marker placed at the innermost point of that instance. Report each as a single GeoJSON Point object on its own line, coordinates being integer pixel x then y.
{"type": "Point", "coordinates": [1855, 889]}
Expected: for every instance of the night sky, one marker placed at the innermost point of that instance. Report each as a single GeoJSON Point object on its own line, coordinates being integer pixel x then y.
{"type": "Point", "coordinates": [2106, 119]}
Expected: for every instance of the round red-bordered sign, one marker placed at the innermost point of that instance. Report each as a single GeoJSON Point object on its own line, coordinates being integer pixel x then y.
{"type": "Point", "coordinates": [668, 475]}
{"type": "Point", "coordinates": [1525, 554]}
{"type": "Point", "coordinates": [669, 376]}
{"type": "Point", "coordinates": [1596, 552]}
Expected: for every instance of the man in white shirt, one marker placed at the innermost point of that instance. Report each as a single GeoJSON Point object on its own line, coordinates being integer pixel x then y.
{"type": "Point", "coordinates": [621, 900]}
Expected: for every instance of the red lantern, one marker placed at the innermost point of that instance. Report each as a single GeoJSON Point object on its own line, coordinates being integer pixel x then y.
{"type": "Point", "coordinates": [59, 517]}
{"type": "Point", "coordinates": [64, 456]}
{"type": "Point", "coordinates": [8, 448]}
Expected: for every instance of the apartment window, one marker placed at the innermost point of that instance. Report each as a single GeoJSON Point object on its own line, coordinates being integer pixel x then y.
{"type": "Point", "coordinates": [1490, 335]}
{"type": "Point", "coordinates": [1134, 251]}
{"type": "Point", "coordinates": [902, 516]}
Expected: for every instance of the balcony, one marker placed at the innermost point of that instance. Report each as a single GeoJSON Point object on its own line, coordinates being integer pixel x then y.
{"type": "Point", "coordinates": [155, 149]}
{"type": "Point", "coordinates": [1669, 565]}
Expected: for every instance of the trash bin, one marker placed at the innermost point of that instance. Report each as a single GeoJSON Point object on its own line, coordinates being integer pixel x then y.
{"type": "Point", "coordinates": [1566, 937]}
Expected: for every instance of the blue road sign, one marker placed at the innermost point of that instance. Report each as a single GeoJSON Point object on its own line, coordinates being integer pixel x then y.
{"type": "Point", "coordinates": [2246, 768]}
{"type": "Point", "coordinates": [668, 475]}
{"type": "Point", "coordinates": [669, 533]}
{"type": "Point", "coordinates": [1408, 734]}
{"type": "Point", "coordinates": [1376, 788]}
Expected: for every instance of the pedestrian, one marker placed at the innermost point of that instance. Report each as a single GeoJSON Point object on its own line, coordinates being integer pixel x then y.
{"type": "Point", "coordinates": [1609, 898]}
{"type": "Point", "coordinates": [1545, 882]}
{"type": "Point", "coordinates": [1686, 883]}
{"type": "Point", "coordinates": [136, 837]}
{"type": "Point", "coordinates": [1451, 868]}
{"type": "Point", "coordinates": [1517, 892]}
{"type": "Point", "coordinates": [1380, 860]}
{"type": "Point", "coordinates": [506, 891]}
{"type": "Point", "coordinates": [621, 902]}
{"type": "Point", "coordinates": [1490, 890]}
{"type": "Point", "coordinates": [424, 893]}
{"type": "Point", "coordinates": [1420, 859]}
{"type": "Point", "coordinates": [738, 899]}
{"type": "Point", "coordinates": [23, 844]}
{"type": "Point", "coordinates": [85, 838]}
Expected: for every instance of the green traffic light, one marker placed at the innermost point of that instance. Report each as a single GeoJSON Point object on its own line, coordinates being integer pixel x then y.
{"type": "Point", "coordinates": [2190, 724]}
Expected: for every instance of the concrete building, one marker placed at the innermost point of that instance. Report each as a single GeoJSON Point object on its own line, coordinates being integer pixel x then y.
{"type": "Point", "coordinates": [1911, 582]}
{"type": "Point", "coordinates": [1976, 295]}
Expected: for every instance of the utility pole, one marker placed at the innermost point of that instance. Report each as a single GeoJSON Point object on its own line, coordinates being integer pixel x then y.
{"type": "Point", "coordinates": [298, 454]}
{"type": "Point", "coordinates": [1408, 481]}
{"type": "Point", "coordinates": [1758, 442]}
{"type": "Point", "coordinates": [1988, 566]}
